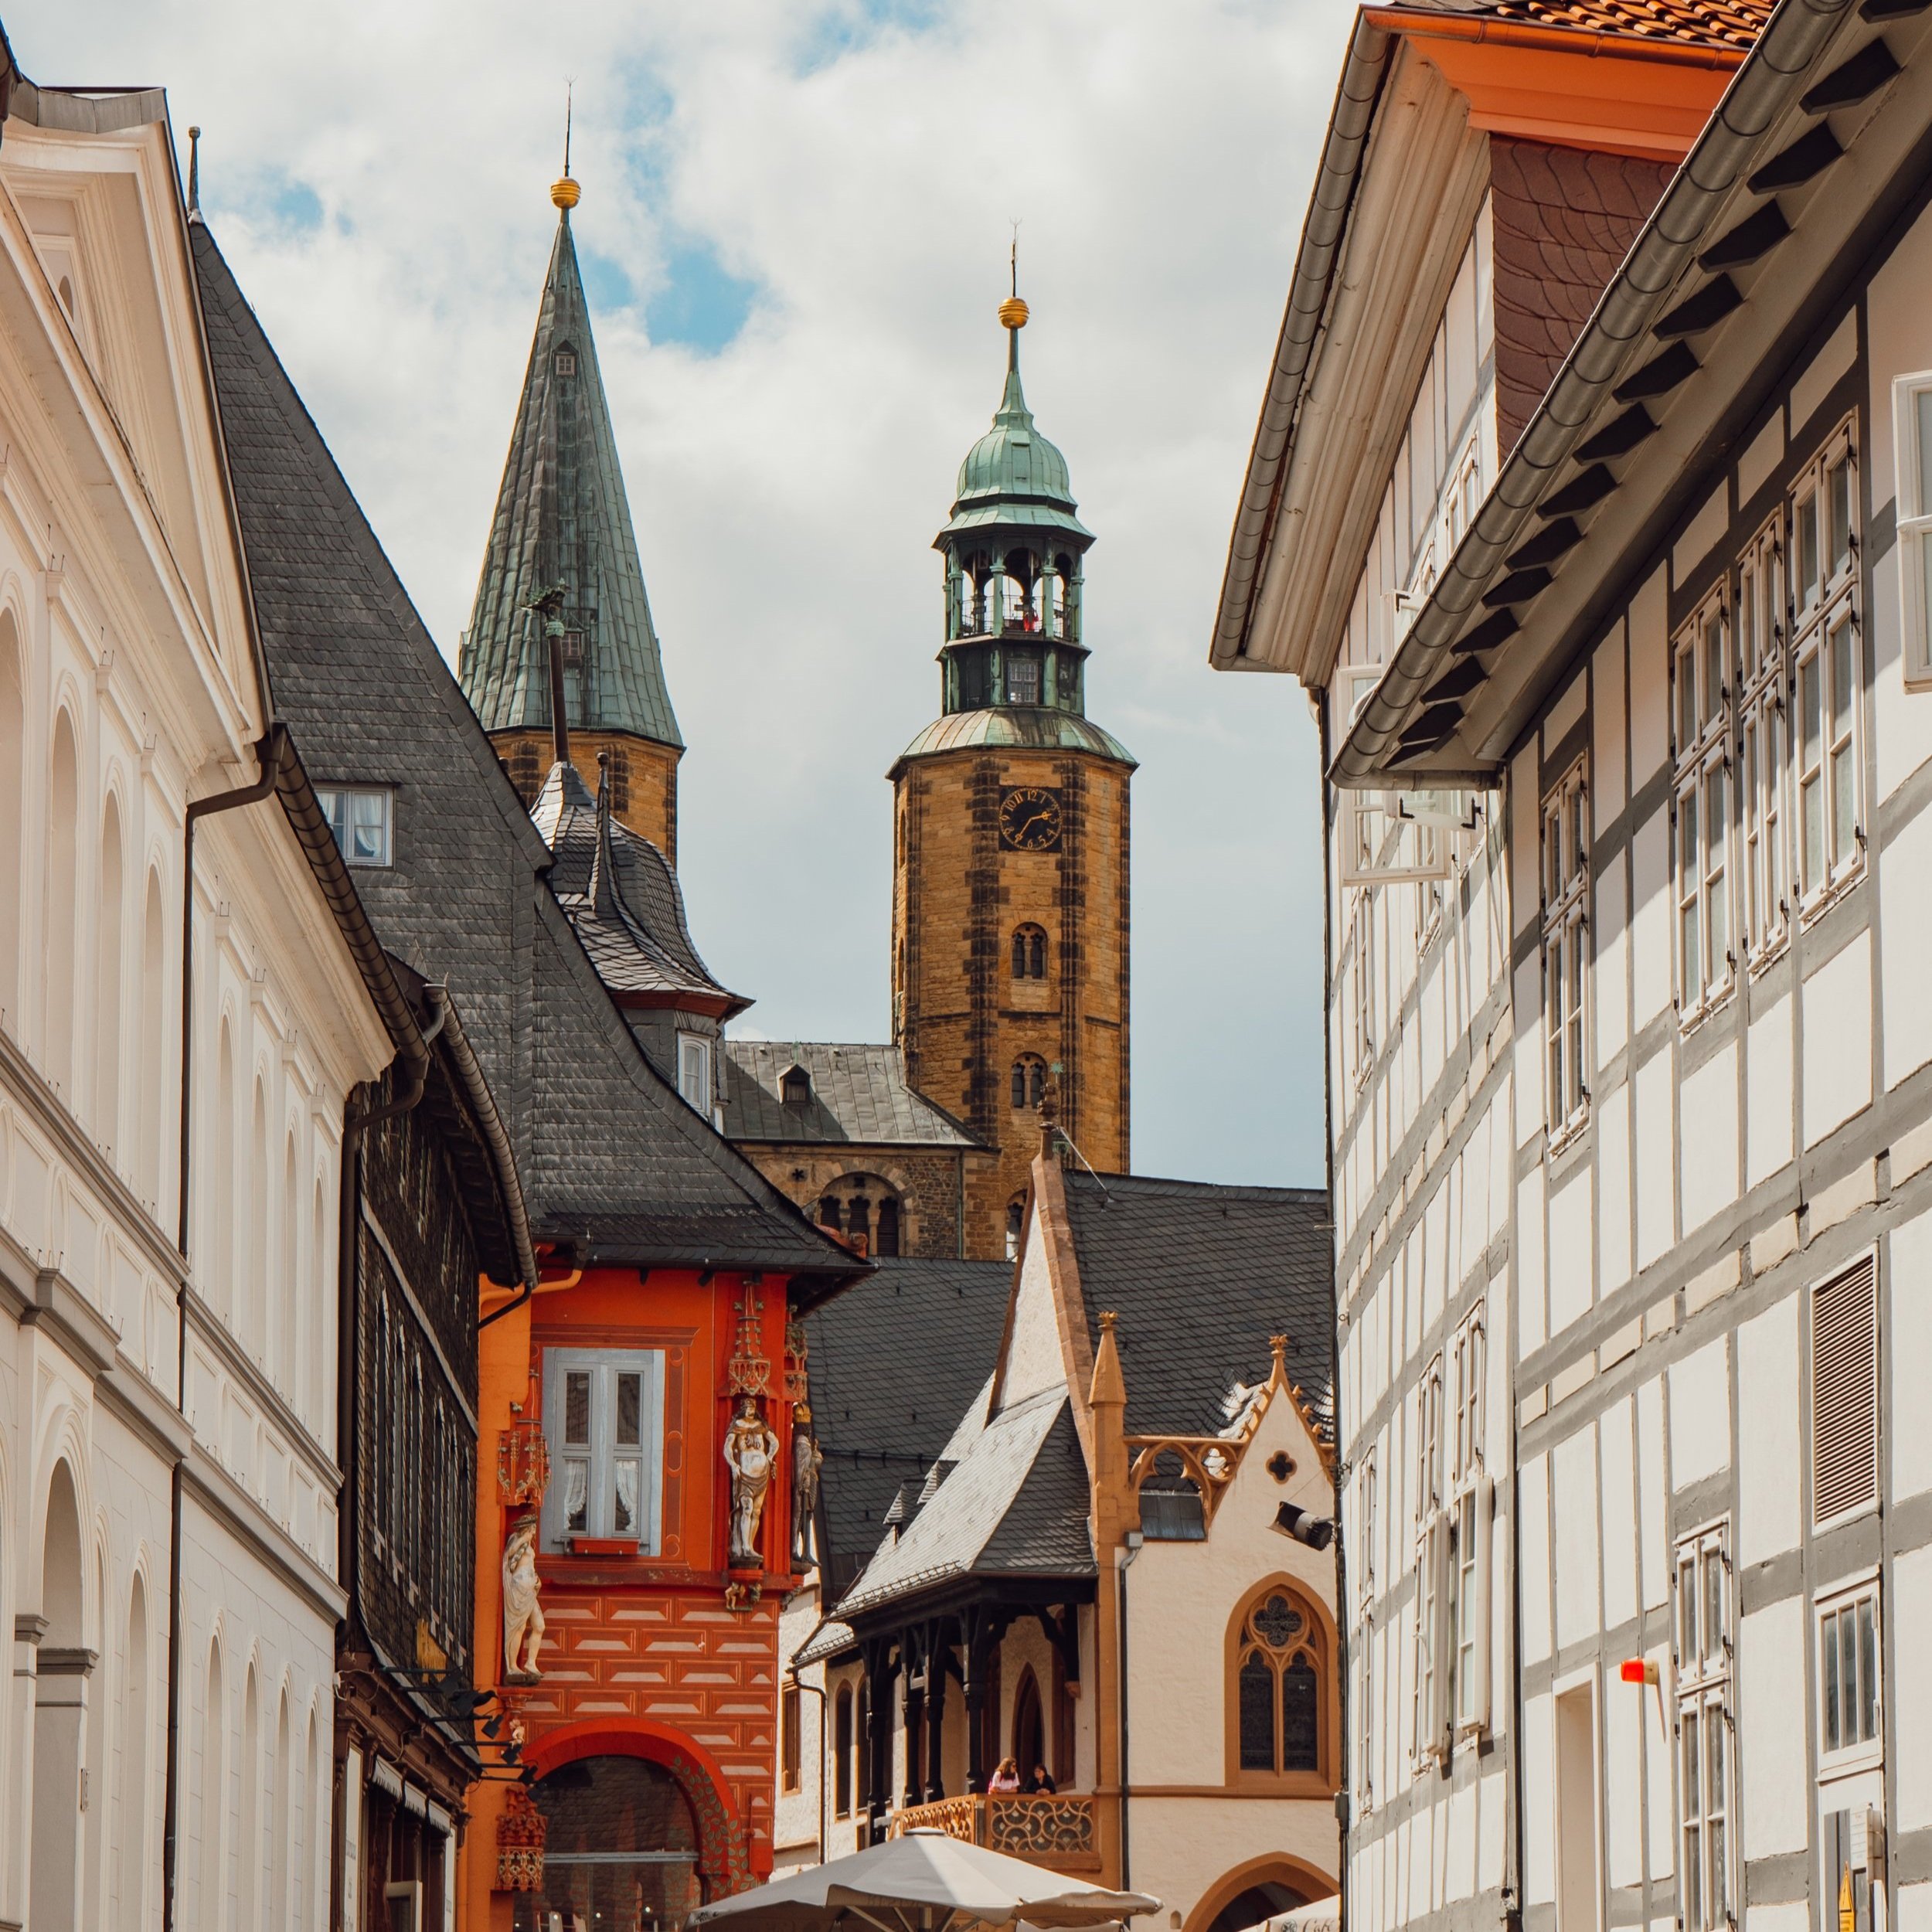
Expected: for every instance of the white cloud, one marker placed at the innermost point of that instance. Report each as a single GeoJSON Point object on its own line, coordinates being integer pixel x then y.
{"type": "Point", "coordinates": [377, 174]}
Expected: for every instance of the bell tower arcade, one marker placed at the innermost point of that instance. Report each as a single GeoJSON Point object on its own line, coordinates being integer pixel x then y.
{"type": "Point", "coordinates": [1010, 899]}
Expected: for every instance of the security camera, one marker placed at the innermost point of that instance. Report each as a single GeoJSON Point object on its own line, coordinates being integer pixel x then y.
{"type": "Point", "coordinates": [1317, 1532]}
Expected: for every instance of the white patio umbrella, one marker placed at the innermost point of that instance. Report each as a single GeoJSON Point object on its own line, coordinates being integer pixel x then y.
{"type": "Point", "coordinates": [924, 1882]}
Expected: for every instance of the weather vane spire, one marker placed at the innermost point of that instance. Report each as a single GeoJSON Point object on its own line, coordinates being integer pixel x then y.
{"type": "Point", "coordinates": [1013, 312]}
{"type": "Point", "coordinates": [564, 192]}
{"type": "Point", "coordinates": [194, 174]}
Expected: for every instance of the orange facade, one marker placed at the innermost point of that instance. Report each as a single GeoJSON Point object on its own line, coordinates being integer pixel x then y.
{"type": "Point", "coordinates": [671, 1657]}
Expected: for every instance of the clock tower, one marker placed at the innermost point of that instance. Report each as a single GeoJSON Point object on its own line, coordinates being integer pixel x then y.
{"type": "Point", "coordinates": [1010, 823]}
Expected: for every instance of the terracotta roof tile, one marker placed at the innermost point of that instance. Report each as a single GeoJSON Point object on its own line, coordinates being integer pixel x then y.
{"type": "Point", "coordinates": [1714, 23]}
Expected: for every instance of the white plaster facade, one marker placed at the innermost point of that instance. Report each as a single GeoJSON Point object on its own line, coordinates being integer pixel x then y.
{"type": "Point", "coordinates": [128, 687]}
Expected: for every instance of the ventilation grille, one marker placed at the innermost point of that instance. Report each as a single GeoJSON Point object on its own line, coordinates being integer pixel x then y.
{"type": "Point", "coordinates": [1845, 1394]}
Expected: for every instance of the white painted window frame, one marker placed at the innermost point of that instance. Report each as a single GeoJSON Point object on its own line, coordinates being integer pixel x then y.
{"type": "Point", "coordinates": [1760, 636]}
{"type": "Point", "coordinates": [1827, 634]}
{"type": "Point", "coordinates": [1429, 1720]}
{"type": "Point", "coordinates": [339, 803]}
{"type": "Point", "coordinates": [1565, 875]}
{"type": "Point", "coordinates": [1702, 677]}
{"type": "Point", "coordinates": [1471, 1511]}
{"type": "Point", "coordinates": [1703, 1646]}
{"type": "Point", "coordinates": [1361, 990]}
{"type": "Point", "coordinates": [1378, 844]}
{"type": "Point", "coordinates": [697, 1062]}
{"type": "Point", "coordinates": [1847, 1599]}
{"type": "Point", "coordinates": [602, 1454]}
{"type": "Point", "coordinates": [1912, 450]}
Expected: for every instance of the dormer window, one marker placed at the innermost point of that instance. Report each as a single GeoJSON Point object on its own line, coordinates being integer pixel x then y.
{"type": "Point", "coordinates": [567, 362]}
{"type": "Point", "coordinates": [694, 1070]}
{"type": "Point", "coordinates": [573, 650]}
{"type": "Point", "coordinates": [794, 1087]}
{"type": "Point", "coordinates": [359, 818]}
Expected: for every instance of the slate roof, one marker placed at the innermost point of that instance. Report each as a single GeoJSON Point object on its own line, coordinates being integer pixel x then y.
{"type": "Point", "coordinates": [1714, 23]}
{"type": "Point", "coordinates": [858, 1093]}
{"type": "Point", "coordinates": [623, 897]}
{"type": "Point", "coordinates": [1200, 1276]}
{"type": "Point", "coordinates": [893, 1364]}
{"type": "Point", "coordinates": [603, 1144]}
{"type": "Point", "coordinates": [563, 518]}
{"type": "Point", "coordinates": [1015, 1505]}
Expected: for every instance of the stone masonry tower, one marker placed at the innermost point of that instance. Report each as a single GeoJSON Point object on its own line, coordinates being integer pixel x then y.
{"type": "Point", "coordinates": [562, 556]}
{"type": "Point", "coordinates": [1010, 811]}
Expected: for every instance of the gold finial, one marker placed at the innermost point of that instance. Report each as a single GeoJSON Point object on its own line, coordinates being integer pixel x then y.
{"type": "Point", "coordinates": [564, 192]}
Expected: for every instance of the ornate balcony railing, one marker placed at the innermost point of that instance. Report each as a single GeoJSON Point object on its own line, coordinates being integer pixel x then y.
{"type": "Point", "coordinates": [1056, 1830]}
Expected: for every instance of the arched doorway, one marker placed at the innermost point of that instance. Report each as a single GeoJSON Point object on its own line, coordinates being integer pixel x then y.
{"type": "Point", "coordinates": [1258, 1890]}
{"type": "Point", "coordinates": [1029, 1732]}
{"type": "Point", "coordinates": [59, 1711]}
{"type": "Point", "coordinates": [622, 1849]}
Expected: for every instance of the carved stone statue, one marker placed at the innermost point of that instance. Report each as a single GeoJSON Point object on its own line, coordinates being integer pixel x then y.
{"type": "Point", "coordinates": [522, 1614]}
{"type": "Point", "coordinates": [750, 1452]}
{"type": "Point", "coordinates": [806, 1459]}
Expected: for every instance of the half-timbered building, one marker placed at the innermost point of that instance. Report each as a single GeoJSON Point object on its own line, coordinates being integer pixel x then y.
{"type": "Point", "coordinates": [1621, 690]}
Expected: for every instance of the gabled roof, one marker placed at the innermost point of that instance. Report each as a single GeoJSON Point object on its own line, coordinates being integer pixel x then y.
{"type": "Point", "coordinates": [1706, 23]}
{"type": "Point", "coordinates": [623, 897]}
{"type": "Point", "coordinates": [1014, 1505]}
{"type": "Point", "coordinates": [609, 1157]}
{"type": "Point", "coordinates": [1813, 143]}
{"type": "Point", "coordinates": [1201, 1275]}
{"type": "Point", "coordinates": [563, 520]}
{"type": "Point", "coordinates": [892, 1364]}
{"type": "Point", "coordinates": [859, 1094]}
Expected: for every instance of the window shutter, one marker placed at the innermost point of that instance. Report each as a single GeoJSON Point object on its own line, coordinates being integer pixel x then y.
{"type": "Point", "coordinates": [1486, 1507]}
{"type": "Point", "coordinates": [1844, 1393]}
{"type": "Point", "coordinates": [1440, 1637]}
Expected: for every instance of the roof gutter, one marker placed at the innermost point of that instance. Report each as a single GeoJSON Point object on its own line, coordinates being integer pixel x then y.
{"type": "Point", "coordinates": [1766, 84]}
{"type": "Point", "coordinates": [1350, 121]}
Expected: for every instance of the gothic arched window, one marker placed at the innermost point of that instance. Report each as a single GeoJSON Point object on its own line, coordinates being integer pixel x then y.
{"type": "Point", "coordinates": [1029, 952]}
{"type": "Point", "coordinates": [1278, 1695]}
{"type": "Point", "coordinates": [1030, 1081]}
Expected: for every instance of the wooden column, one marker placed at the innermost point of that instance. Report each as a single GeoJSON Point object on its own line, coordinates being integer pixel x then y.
{"type": "Point", "coordinates": [936, 1660]}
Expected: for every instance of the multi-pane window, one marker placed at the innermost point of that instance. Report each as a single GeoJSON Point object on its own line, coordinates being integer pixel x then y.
{"type": "Point", "coordinates": [694, 1071]}
{"type": "Point", "coordinates": [1430, 1731]}
{"type": "Point", "coordinates": [1700, 680]}
{"type": "Point", "coordinates": [1566, 870]}
{"type": "Point", "coordinates": [1471, 1504]}
{"type": "Point", "coordinates": [1706, 1775]}
{"type": "Point", "coordinates": [603, 1419]}
{"type": "Point", "coordinates": [1278, 1687]}
{"type": "Point", "coordinates": [1826, 656]}
{"type": "Point", "coordinates": [1362, 989]}
{"type": "Point", "coordinates": [359, 818]}
{"type": "Point", "coordinates": [1912, 418]}
{"type": "Point", "coordinates": [1764, 864]}
{"type": "Point", "coordinates": [1850, 1713]}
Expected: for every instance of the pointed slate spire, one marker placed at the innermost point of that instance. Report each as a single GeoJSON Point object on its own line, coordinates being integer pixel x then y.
{"type": "Point", "coordinates": [562, 524]}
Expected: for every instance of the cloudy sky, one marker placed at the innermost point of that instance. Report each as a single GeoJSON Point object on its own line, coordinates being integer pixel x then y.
{"type": "Point", "coordinates": [794, 228]}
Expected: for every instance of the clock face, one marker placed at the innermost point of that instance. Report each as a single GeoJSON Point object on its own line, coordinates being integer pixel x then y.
{"type": "Point", "coordinates": [1029, 819]}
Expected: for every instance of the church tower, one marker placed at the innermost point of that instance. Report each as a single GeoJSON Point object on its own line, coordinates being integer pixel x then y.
{"type": "Point", "coordinates": [1010, 811]}
{"type": "Point", "coordinates": [563, 558]}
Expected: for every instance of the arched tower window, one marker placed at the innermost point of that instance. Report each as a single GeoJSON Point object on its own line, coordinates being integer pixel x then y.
{"type": "Point", "coordinates": [887, 1242]}
{"type": "Point", "coordinates": [1030, 1081]}
{"type": "Point", "coordinates": [859, 1218]}
{"type": "Point", "coordinates": [1278, 1697]}
{"type": "Point", "coordinates": [1029, 952]}
{"type": "Point", "coordinates": [829, 1215]}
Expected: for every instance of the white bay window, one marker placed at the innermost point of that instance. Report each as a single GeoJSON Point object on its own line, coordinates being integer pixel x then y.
{"type": "Point", "coordinates": [604, 1421]}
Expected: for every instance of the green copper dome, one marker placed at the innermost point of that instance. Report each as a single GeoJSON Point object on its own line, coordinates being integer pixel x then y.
{"type": "Point", "coordinates": [1013, 477]}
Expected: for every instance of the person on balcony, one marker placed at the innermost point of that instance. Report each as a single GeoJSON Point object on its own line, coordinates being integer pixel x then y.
{"type": "Point", "coordinates": [1006, 1778]}
{"type": "Point", "coordinates": [1041, 1784]}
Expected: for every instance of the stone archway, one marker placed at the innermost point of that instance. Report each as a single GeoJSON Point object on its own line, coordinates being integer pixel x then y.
{"type": "Point", "coordinates": [723, 1862]}
{"type": "Point", "coordinates": [62, 1666]}
{"type": "Point", "coordinates": [1257, 1890]}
